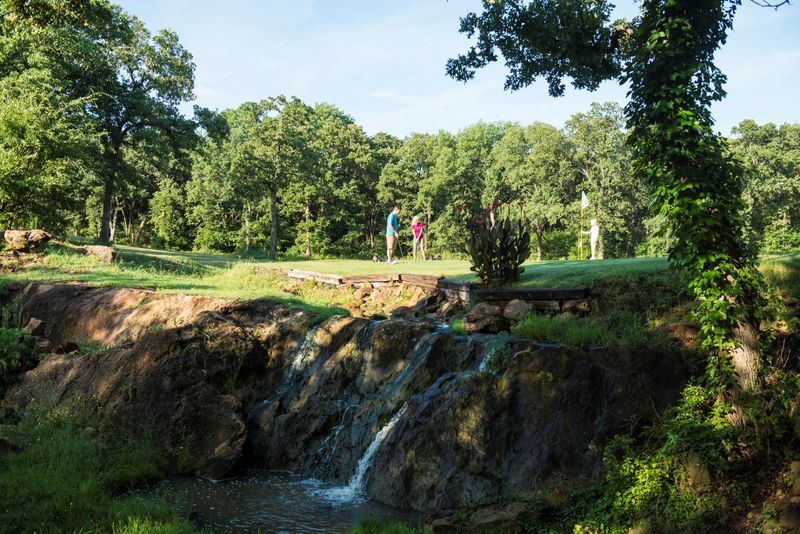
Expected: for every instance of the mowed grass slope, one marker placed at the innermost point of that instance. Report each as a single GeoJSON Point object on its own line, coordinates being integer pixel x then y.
{"type": "Point", "coordinates": [537, 274]}
{"type": "Point", "coordinates": [243, 279]}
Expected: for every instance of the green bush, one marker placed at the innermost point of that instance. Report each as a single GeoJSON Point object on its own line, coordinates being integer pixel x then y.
{"type": "Point", "coordinates": [17, 355]}
{"type": "Point", "coordinates": [497, 252]}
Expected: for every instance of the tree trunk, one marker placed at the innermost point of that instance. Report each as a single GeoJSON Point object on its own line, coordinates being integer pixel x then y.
{"type": "Point", "coordinates": [139, 232]}
{"type": "Point", "coordinates": [307, 212]}
{"type": "Point", "coordinates": [113, 230]}
{"type": "Point", "coordinates": [539, 232]}
{"type": "Point", "coordinates": [273, 237]}
{"type": "Point", "coordinates": [105, 222]}
{"type": "Point", "coordinates": [247, 230]}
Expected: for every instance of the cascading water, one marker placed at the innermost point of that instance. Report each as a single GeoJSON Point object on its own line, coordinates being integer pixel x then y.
{"type": "Point", "coordinates": [354, 490]}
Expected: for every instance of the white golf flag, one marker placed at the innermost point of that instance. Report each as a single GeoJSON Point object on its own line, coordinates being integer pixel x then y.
{"type": "Point", "coordinates": [584, 200]}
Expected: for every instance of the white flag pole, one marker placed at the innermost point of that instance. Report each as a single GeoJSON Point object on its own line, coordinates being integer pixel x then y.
{"type": "Point", "coordinates": [584, 204]}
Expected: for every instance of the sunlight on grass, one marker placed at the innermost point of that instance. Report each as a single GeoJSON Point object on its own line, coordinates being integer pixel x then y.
{"type": "Point", "coordinates": [229, 277]}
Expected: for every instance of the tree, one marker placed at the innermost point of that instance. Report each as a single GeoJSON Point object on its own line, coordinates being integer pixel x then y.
{"type": "Point", "coordinates": [153, 74]}
{"type": "Point", "coordinates": [42, 152]}
{"type": "Point", "coordinates": [270, 148]}
{"type": "Point", "coordinates": [771, 155]}
{"type": "Point", "coordinates": [530, 166]}
{"type": "Point", "coordinates": [108, 72]}
{"type": "Point", "coordinates": [602, 163]}
{"type": "Point", "coordinates": [667, 56]}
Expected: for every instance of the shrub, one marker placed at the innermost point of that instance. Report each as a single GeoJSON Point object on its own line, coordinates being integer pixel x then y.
{"type": "Point", "coordinates": [17, 355]}
{"type": "Point", "coordinates": [497, 249]}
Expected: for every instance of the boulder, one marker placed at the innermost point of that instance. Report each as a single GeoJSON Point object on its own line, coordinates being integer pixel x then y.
{"type": "Point", "coordinates": [449, 309]}
{"type": "Point", "coordinates": [794, 470]}
{"type": "Point", "coordinates": [363, 291]}
{"type": "Point", "coordinates": [26, 240]}
{"type": "Point", "coordinates": [485, 318]}
{"type": "Point", "coordinates": [577, 306]}
{"type": "Point", "coordinates": [429, 303]}
{"type": "Point", "coordinates": [103, 253]}
{"type": "Point", "coordinates": [35, 326]}
{"type": "Point", "coordinates": [542, 420]}
{"type": "Point", "coordinates": [42, 345]}
{"type": "Point", "coordinates": [516, 309]}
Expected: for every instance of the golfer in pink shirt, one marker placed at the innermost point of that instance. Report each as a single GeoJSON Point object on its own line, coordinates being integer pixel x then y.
{"type": "Point", "coordinates": [418, 231]}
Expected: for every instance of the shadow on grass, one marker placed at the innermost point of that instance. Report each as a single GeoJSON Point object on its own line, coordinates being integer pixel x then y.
{"type": "Point", "coordinates": [132, 270]}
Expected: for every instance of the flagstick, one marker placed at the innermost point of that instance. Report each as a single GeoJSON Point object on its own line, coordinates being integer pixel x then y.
{"type": "Point", "coordinates": [580, 234]}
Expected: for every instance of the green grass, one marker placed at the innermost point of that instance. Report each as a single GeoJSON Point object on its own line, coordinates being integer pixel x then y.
{"type": "Point", "coordinates": [73, 477]}
{"type": "Point", "coordinates": [372, 525]}
{"type": "Point", "coordinates": [231, 277]}
{"type": "Point", "coordinates": [239, 282]}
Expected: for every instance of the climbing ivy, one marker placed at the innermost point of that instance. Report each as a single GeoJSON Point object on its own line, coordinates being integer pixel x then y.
{"type": "Point", "coordinates": [695, 181]}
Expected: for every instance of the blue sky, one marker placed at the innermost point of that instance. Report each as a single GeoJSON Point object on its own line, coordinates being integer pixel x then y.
{"type": "Point", "coordinates": [382, 62]}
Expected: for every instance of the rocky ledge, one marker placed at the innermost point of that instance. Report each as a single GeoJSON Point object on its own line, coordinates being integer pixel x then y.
{"type": "Point", "coordinates": [409, 414]}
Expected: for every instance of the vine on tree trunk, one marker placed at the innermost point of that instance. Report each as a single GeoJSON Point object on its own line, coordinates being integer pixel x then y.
{"type": "Point", "coordinates": [696, 182]}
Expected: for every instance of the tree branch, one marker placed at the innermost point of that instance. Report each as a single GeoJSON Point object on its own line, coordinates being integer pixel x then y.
{"type": "Point", "coordinates": [773, 5]}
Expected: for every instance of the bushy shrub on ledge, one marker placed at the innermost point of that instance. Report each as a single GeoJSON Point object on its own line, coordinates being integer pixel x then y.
{"type": "Point", "coordinates": [497, 246]}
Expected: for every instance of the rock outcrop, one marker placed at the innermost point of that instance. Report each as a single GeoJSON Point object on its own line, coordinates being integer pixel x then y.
{"type": "Point", "coordinates": [225, 383]}
{"type": "Point", "coordinates": [25, 240]}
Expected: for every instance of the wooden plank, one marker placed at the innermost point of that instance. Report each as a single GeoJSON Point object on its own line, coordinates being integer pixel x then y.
{"type": "Point", "coordinates": [370, 278]}
{"type": "Point", "coordinates": [334, 279]}
{"type": "Point", "coordinates": [533, 293]}
{"type": "Point", "coordinates": [447, 283]}
{"type": "Point", "coordinates": [420, 279]}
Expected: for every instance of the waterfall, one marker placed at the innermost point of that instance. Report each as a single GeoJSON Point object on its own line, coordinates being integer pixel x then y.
{"type": "Point", "coordinates": [414, 359]}
{"type": "Point", "coordinates": [354, 490]}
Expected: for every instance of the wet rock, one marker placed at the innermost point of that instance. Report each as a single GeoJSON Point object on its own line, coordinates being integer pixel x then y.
{"type": "Point", "coordinates": [516, 309]}
{"type": "Point", "coordinates": [35, 327]}
{"type": "Point", "coordinates": [402, 312]}
{"type": "Point", "coordinates": [543, 420]}
{"type": "Point", "coordinates": [509, 519]}
{"type": "Point", "coordinates": [485, 318]}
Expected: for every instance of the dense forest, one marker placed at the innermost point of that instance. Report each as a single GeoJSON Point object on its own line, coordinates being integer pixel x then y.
{"type": "Point", "coordinates": [93, 144]}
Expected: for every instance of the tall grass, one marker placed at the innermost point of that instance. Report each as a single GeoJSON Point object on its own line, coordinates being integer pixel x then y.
{"type": "Point", "coordinates": [72, 477]}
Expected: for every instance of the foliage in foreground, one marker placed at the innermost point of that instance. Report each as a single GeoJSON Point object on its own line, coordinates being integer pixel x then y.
{"type": "Point", "coordinates": [72, 477]}
{"type": "Point", "coordinates": [17, 355]}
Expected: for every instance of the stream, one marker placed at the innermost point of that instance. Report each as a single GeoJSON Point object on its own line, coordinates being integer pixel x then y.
{"type": "Point", "coordinates": [274, 502]}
